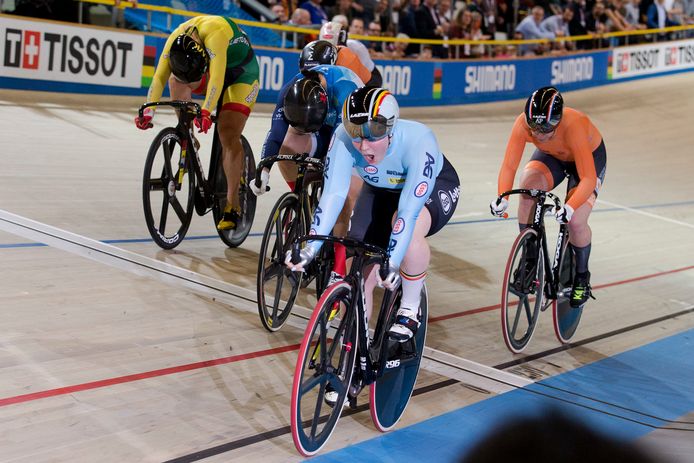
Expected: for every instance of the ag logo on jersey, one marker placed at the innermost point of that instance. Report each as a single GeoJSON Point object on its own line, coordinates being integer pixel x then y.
{"type": "Point", "coordinates": [446, 201]}
{"type": "Point", "coordinates": [421, 189]}
{"type": "Point", "coordinates": [399, 226]}
{"type": "Point", "coordinates": [370, 169]}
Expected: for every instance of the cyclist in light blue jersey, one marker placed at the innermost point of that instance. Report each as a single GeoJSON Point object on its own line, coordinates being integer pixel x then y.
{"type": "Point", "coordinates": [410, 192]}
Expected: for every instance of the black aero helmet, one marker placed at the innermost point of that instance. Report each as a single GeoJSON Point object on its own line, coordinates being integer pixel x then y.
{"type": "Point", "coordinates": [316, 53]}
{"type": "Point", "coordinates": [188, 59]}
{"type": "Point", "coordinates": [543, 109]}
{"type": "Point", "coordinates": [306, 105]}
{"type": "Point", "coordinates": [370, 112]}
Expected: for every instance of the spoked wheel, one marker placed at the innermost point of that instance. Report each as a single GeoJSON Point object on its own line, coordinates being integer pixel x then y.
{"type": "Point", "coordinates": [566, 318]}
{"type": "Point", "coordinates": [391, 392]}
{"type": "Point", "coordinates": [168, 187]}
{"type": "Point", "coordinates": [521, 295]}
{"type": "Point", "coordinates": [326, 356]}
{"type": "Point", "coordinates": [247, 199]}
{"type": "Point", "coordinates": [277, 285]}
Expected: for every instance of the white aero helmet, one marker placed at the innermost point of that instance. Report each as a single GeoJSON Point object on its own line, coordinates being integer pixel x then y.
{"type": "Point", "coordinates": [333, 33]}
{"type": "Point", "coordinates": [370, 112]}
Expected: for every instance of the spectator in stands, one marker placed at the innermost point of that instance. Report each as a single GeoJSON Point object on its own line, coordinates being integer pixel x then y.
{"type": "Point", "coordinates": [356, 27]}
{"type": "Point", "coordinates": [407, 23]}
{"type": "Point", "coordinates": [398, 50]}
{"type": "Point", "coordinates": [300, 18]}
{"type": "Point", "coordinates": [347, 8]}
{"type": "Point", "coordinates": [383, 18]}
{"type": "Point", "coordinates": [444, 10]}
{"type": "Point", "coordinates": [676, 12]}
{"type": "Point", "coordinates": [460, 29]}
{"type": "Point", "coordinates": [529, 28]}
{"type": "Point", "coordinates": [375, 48]}
{"type": "Point", "coordinates": [281, 12]}
{"type": "Point", "coordinates": [658, 16]}
{"type": "Point", "coordinates": [314, 8]}
{"type": "Point", "coordinates": [476, 33]}
{"type": "Point", "coordinates": [487, 9]}
{"type": "Point", "coordinates": [597, 24]}
{"type": "Point", "coordinates": [429, 26]}
{"type": "Point", "coordinates": [558, 24]}
{"type": "Point", "coordinates": [579, 22]}
{"type": "Point", "coordinates": [633, 14]}
{"type": "Point", "coordinates": [689, 12]}
{"type": "Point", "coordinates": [615, 21]}
{"type": "Point", "coordinates": [505, 17]}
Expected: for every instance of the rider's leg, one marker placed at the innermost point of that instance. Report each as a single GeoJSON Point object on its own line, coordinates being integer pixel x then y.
{"type": "Point", "coordinates": [342, 225]}
{"type": "Point", "coordinates": [413, 271]}
{"type": "Point", "coordinates": [294, 143]}
{"type": "Point", "coordinates": [536, 176]}
{"type": "Point", "coordinates": [230, 125]}
{"type": "Point", "coordinates": [580, 236]}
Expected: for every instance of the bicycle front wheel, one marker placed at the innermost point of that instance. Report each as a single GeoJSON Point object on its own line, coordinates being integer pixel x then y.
{"type": "Point", "coordinates": [521, 294]}
{"type": "Point", "coordinates": [278, 286]}
{"type": "Point", "coordinates": [391, 392]}
{"type": "Point", "coordinates": [234, 237]}
{"type": "Point", "coordinates": [168, 187]}
{"type": "Point", "coordinates": [566, 318]}
{"type": "Point", "coordinates": [326, 357]}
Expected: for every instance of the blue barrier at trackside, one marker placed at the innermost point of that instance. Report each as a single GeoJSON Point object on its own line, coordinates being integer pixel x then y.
{"type": "Point", "coordinates": [66, 57]}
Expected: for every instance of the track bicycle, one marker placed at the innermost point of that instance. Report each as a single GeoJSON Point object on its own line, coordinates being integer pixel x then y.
{"type": "Point", "coordinates": [532, 284]}
{"type": "Point", "coordinates": [174, 182]}
{"type": "Point", "coordinates": [290, 218]}
{"type": "Point", "coordinates": [336, 335]}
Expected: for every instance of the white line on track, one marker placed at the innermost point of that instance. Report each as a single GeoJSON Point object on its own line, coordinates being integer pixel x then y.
{"type": "Point", "coordinates": [439, 362]}
{"type": "Point", "coordinates": [647, 214]}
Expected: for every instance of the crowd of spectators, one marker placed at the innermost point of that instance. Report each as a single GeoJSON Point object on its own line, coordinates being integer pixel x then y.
{"type": "Point", "coordinates": [490, 19]}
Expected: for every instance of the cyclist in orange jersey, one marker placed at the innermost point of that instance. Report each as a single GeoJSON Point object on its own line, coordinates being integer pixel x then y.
{"type": "Point", "coordinates": [568, 145]}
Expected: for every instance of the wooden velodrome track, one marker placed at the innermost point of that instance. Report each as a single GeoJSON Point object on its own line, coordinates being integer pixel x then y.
{"type": "Point", "coordinates": [120, 351]}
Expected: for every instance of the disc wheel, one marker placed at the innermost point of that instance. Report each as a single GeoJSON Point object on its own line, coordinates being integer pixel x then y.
{"type": "Point", "coordinates": [326, 356]}
{"type": "Point", "coordinates": [391, 392]}
{"type": "Point", "coordinates": [278, 286]}
{"type": "Point", "coordinates": [521, 294]}
{"type": "Point", "coordinates": [247, 199]}
{"type": "Point", "coordinates": [167, 190]}
{"type": "Point", "coordinates": [566, 318]}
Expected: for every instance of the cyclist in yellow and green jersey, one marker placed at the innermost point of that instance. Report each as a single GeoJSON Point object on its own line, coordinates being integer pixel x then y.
{"type": "Point", "coordinates": [211, 56]}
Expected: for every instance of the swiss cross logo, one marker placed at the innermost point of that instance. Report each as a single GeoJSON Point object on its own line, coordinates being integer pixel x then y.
{"type": "Point", "coordinates": [31, 50]}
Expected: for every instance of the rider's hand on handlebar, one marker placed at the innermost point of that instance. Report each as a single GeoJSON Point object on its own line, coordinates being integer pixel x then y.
{"type": "Point", "coordinates": [264, 180]}
{"type": "Point", "coordinates": [564, 214]}
{"type": "Point", "coordinates": [145, 122]}
{"type": "Point", "coordinates": [204, 122]}
{"type": "Point", "coordinates": [392, 281]}
{"type": "Point", "coordinates": [498, 208]}
{"type": "Point", "coordinates": [306, 255]}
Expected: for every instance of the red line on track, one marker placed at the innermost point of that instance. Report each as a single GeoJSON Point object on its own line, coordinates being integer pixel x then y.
{"type": "Point", "coordinates": [250, 355]}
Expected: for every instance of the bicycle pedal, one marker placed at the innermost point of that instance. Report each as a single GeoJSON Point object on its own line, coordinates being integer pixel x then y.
{"type": "Point", "coordinates": [352, 401]}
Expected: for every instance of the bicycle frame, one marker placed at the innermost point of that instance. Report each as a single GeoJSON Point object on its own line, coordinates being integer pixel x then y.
{"type": "Point", "coordinates": [538, 224]}
{"type": "Point", "coordinates": [186, 112]}
{"type": "Point", "coordinates": [369, 351]}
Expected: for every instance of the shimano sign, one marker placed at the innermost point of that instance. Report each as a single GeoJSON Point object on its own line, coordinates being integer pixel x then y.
{"type": "Point", "coordinates": [498, 78]}
{"type": "Point", "coordinates": [397, 79]}
{"type": "Point", "coordinates": [572, 70]}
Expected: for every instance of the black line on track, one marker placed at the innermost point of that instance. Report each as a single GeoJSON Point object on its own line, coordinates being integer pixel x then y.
{"type": "Point", "coordinates": [140, 264]}
{"type": "Point", "coordinates": [243, 442]}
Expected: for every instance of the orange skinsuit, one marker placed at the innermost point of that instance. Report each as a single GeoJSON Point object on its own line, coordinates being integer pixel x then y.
{"type": "Point", "coordinates": [574, 140]}
{"type": "Point", "coordinates": [349, 59]}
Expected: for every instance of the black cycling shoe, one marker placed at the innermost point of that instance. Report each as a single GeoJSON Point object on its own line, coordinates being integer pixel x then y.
{"type": "Point", "coordinates": [581, 290]}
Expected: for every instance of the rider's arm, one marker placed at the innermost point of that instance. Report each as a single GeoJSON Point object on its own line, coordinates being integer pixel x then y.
{"type": "Point", "coordinates": [163, 71]}
{"type": "Point", "coordinates": [578, 141]}
{"type": "Point", "coordinates": [336, 179]}
{"type": "Point", "coordinates": [278, 130]}
{"type": "Point", "coordinates": [514, 152]}
{"type": "Point", "coordinates": [423, 161]}
{"type": "Point", "coordinates": [216, 44]}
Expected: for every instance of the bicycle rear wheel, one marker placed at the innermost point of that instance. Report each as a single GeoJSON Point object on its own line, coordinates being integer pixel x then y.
{"type": "Point", "coordinates": [326, 356]}
{"type": "Point", "coordinates": [391, 392]}
{"type": "Point", "coordinates": [234, 237]}
{"type": "Point", "coordinates": [168, 187]}
{"type": "Point", "coordinates": [521, 294]}
{"type": "Point", "coordinates": [277, 286]}
{"type": "Point", "coordinates": [566, 318]}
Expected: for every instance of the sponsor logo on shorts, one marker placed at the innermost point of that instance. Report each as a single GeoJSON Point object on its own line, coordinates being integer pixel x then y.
{"type": "Point", "coordinates": [421, 189]}
{"type": "Point", "coordinates": [370, 169]}
{"type": "Point", "coordinates": [446, 202]}
{"type": "Point", "coordinates": [399, 226]}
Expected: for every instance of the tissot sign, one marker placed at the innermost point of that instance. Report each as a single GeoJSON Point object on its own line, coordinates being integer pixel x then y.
{"type": "Point", "coordinates": [47, 51]}
{"type": "Point", "coordinates": [651, 59]}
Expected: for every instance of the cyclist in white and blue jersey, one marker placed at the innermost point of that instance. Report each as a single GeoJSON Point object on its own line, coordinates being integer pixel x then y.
{"type": "Point", "coordinates": [308, 110]}
{"type": "Point", "coordinates": [410, 192]}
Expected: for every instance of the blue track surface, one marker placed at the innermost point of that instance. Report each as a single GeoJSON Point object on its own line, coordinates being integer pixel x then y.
{"type": "Point", "coordinates": [625, 397]}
